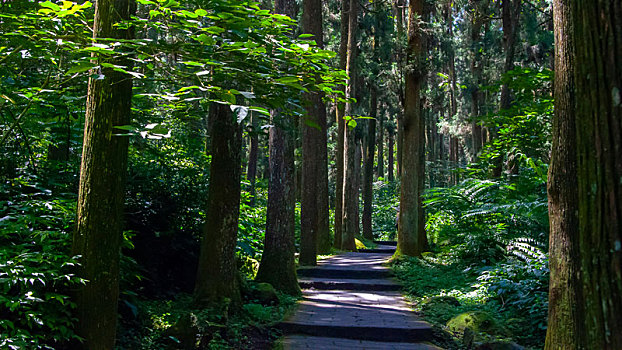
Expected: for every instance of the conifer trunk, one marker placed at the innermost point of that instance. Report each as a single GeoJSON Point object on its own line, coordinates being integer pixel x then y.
{"type": "Point", "coordinates": [350, 184]}
{"type": "Point", "coordinates": [409, 238]}
{"type": "Point", "coordinates": [339, 160]}
{"type": "Point", "coordinates": [368, 163]}
{"type": "Point", "coordinates": [217, 274]}
{"type": "Point", "coordinates": [564, 289]}
{"type": "Point", "coordinates": [99, 224]}
{"type": "Point", "coordinates": [598, 82]}
{"type": "Point", "coordinates": [278, 265]}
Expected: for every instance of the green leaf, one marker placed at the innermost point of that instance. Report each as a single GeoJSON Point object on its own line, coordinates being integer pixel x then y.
{"type": "Point", "coordinates": [50, 5]}
{"type": "Point", "coordinates": [81, 67]}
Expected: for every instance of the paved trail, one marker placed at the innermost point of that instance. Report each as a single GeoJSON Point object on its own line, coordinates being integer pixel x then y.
{"type": "Point", "coordinates": [351, 301]}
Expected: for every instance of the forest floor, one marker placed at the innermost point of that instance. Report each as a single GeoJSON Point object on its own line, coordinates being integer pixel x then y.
{"type": "Point", "coordinates": [351, 301]}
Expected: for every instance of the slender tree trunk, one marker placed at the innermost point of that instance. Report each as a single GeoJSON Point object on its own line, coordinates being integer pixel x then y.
{"type": "Point", "coordinates": [510, 13]}
{"type": "Point", "coordinates": [390, 161]}
{"type": "Point", "coordinates": [565, 307]}
{"type": "Point", "coordinates": [251, 169]}
{"type": "Point", "coordinates": [380, 169]}
{"type": "Point", "coordinates": [598, 108]}
{"type": "Point", "coordinates": [350, 189]}
{"type": "Point", "coordinates": [339, 182]}
{"type": "Point", "coordinates": [408, 242]}
{"type": "Point", "coordinates": [99, 225]}
{"type": "Point", "coordinates": [217, 274]}
{"type": "Point", "coordinates": [278, 265]}
{"type": "Point", "coordinates": [368, 174]}
{"type": "Point", "coordinates": [476, 69]}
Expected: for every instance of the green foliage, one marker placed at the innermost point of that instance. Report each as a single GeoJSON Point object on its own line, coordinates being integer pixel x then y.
{"type": "Point", "coordinates": [524, 130]}
{"type": "Point", "coordinates": [36, 272]}
{"type": "Point", "coordinates": [158, 323]}
{"type": "Point", "coordinates": [385, 206]}
{"type": "Point", "coordinates": [478, 218]}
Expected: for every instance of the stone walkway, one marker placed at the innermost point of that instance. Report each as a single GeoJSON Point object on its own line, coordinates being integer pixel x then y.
{"type": "Point", "coordinates": [351, 301]}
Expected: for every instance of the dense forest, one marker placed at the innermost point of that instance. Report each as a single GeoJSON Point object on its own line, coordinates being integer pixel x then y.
{"type": "Point", "coordinates": [166, 166]}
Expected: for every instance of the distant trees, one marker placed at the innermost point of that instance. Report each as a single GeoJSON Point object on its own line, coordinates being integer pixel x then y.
{"type": "Point", "coordinates": [99, 224]}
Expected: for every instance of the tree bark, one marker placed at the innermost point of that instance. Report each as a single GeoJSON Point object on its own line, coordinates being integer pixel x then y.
{"type": "Point", "coordinates": [380, 168]}
{"type": "Point", "coordinates": [278, 265]}
{"type": "Point", "coordinates": [251, 169]}
{"type": "Point", "coordinates": [390, 161]}
{"type": "Point", "coordinates": [368, 173]}
{"type": "Point", "coordinates": [565, 298]}
{"type": "Point", "coordinates": [217, 274]}
{"type": "Point", "coordinates": [409, 242]}
{"type": "Point", "coordinates": [598, 108]}
{"type": "Point", "coordinates": [315, 233]}
{"type": "Point", "coordinates": [510, 13]}
{"type": "Point", "coordinates": [339, 161]}
{"type": "Point", "coordinates": [99, 224]}
{"type": "Point", "coordinates": [350, 184]}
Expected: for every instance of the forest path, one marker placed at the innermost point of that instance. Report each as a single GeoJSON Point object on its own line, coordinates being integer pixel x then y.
{"type": "Point", "coordinates": [351, 301]}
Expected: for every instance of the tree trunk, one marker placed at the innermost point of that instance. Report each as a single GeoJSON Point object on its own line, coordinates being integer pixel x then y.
{"type": "Point", "coordinates": [278, 265]}
{"type": "Point", "coordinates": [598, 108]}
{"type": "Point", "coordinates": [217, 274]}
{"type": "Point", "coordinates": [315, 232]}
{"type": "Point", "coordinates": [350, 189]}
{"type": "Point", "coordinates": [99, 224]}
{"type": "Point", "coordinates": [510, 13]}
{"type": "Point", "coordinates": [380, 168]}
{"type": "Point", "coordinates": [390, 161]}
{"type": "Point", "coordinates": [476, 69]}
{"type": "Point", "coordinates": [251, 169]}
{"type": "Point", "coordinates": [565, 298]}
{"type": "Point", "coordinates": [368, 173]}
{"type": "Point", "coordinates": [339, 161]}
{"type": "Point", "coordinates": [408, 242]}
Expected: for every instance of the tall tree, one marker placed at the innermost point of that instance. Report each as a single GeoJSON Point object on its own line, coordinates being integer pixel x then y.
{"type": "Point", "coordinates": [477, 20]}
{"type": "Point", "coordinates": [99, 225]}
{"type": "Point", "coordinates": [380, 168]}
{"type": "Point", "coordinates": [253, 155]}
{"type": "Point", "coordinates": [565, 306]}
{"type": "Point", "coordinates": [409, 238]}
{"type": "Point", "coordinates": [510, 16]}
{"type": "Point", "coordinates": [339, 159]}
{"type": "Point", "coordinates": [390, 150]}
{"type": "Point", "coordinates": [278, 266]}
{"type": "Point", "coordinates": [217, 274]}
{"type": "Point", "coordinates": [368, 165]}
{"type": "Point", "coordinates": [350, 183]}
{"type": "Point", "coordinates": [314, 233]}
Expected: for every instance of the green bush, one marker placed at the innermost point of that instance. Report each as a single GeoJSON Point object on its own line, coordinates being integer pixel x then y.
{"type": "Point", "coordinates": [36, 271]}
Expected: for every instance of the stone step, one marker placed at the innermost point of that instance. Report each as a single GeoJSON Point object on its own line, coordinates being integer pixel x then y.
{"type": "Point", "coordinates": [374, 316]}
{"type": "Point", "coordinates": [349, 284]}
{"type": "Point", "coordinates": [295, 342]}
{"type": "Point", "coordinates": [338, 273]}
{"type": "Point", "coordinates": [391, 243]}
